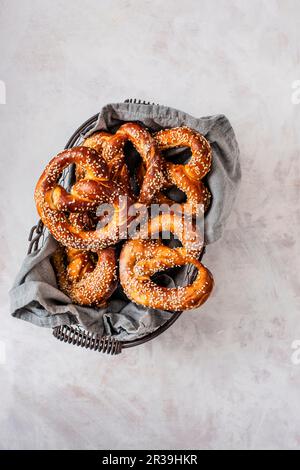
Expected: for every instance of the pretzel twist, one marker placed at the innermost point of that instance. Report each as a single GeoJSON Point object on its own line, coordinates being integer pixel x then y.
{"type": "Point", "coordinates": [187, 177]}
{"type": "Point", "coordinates": [54, 202]}
{"type": "Point", "coordinates": [111, 148]}
{"type": "Point", "coordinates": [140, 259]}
{"type": "Point", "coordinates": [84, 280]}
{"type": "Point", "coordinates": [200, 162]}
{"type": "Point", "coordinates": [183, 229]}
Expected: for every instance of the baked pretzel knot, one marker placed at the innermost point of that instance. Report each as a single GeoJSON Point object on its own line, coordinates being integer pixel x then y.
{"type": "Point", "coordinates": [87, 278]}
{"type": "Point", "coordinates": [181, 227]}
{"type": "Point", "coordinates": [111, 147]}
{"type": "Point", "coordinates": [140, 259]}
{"type": "Point", "coordinates": [112, 150]}
{"type": "Point", "coordinates": [187, 177]}
{"type": "Point", "coordinates": [54, 203]}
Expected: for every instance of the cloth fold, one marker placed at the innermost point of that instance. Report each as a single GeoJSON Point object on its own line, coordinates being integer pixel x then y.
{"type": "Point", "coordinates": [35, 296]}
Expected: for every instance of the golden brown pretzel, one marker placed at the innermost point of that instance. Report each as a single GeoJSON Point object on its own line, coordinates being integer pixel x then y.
{"type": "Point", "coordinates": [187, 177]}
{"type": "Point", "coordinates": [112, 150]}
{"type": "Point", "coordinates": [95, 142]}
{"type": "Point", "coordinates": [190, 234]}
{"type": "Point", "coordinates": [200, 161]}
{"type": "Point", "coordinates": [54, 202]}
{"type": "Point", "coordinates": [85, 280]}
{"type": "Point", "coordinates": [141, 259]}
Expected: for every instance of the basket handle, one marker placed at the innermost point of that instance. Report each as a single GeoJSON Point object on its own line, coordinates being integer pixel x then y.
{"type": "Point", "coordinates": [79, 337]}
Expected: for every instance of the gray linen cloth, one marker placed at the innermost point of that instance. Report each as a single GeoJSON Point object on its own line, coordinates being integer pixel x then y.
{"type": "Point", "coordinates": [35, 296]}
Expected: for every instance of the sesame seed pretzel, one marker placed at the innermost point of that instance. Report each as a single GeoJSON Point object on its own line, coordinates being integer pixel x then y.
{"type": "Point", "coordinates": [142, 258]}
{"type": "Point", "coordinates": [200, 161]}
{"type": "Point", "coordinates": [85, 280]}
{"type": "Point", "coordinates": [111, 147]}
{"type": "Point", "coordinates": [187, 177]}
{"type": "Point", "coordinates": [54, 203]}
{"type": "Point", "coordinates": [184, 229]}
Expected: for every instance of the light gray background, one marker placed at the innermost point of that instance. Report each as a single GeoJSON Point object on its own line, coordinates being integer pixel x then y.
{"type": "Point", "coordinates": [222, 377]}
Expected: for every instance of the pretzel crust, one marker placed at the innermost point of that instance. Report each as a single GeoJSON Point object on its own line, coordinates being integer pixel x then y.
{"type": "Point", "coordinates": [54, 202]}
{"type": "Point", "coordinates": [140, 259]}
{"type": "Point", "coordinates": [83, 280]}
{"type": "Point", "coordinates": [187, 177]}
{"type": "Point", "coordinates": [111, 147]}
{"type": "Point", "coordinates": [188, 233]}
{"type": "Point", "coordinates": [200, 162]}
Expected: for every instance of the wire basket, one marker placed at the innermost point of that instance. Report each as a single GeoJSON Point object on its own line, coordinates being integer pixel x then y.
{"type": "Point", "coordinates": [76, 334]}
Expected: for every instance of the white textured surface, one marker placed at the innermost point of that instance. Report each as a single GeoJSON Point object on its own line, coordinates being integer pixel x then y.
{"type": "Point", "coordinates": [222, 377]}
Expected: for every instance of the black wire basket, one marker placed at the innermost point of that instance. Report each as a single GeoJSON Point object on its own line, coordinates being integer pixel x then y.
{"type": "Point", "coordinates": [76, 334]}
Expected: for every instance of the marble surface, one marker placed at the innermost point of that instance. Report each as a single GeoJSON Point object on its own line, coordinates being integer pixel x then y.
{"type": "Point", "coordinates": [224, 377]}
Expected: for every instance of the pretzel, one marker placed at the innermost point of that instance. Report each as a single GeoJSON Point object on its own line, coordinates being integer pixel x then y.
{"type": "Point", "coordinates": [200, 161]}
{"type": "Point", "coordinates": [54, 202]}
{"type": "Point", "coordinates": [141, 259]}
{"type": "Point", "coordinates": [197, 195]}
{"type": "Point", "coordinates": [185, 230]}
{"type": "Point", "coordinates": [111, 148]}
{"type": "Point", "coordinates": [187, 177]}
{"type": "Point", "coordinates": [95, 142]}
{"type": "Point", "coordinates": [84, 280]}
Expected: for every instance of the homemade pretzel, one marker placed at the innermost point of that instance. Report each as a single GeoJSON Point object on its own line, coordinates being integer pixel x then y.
{"type": "Point", "coordinates": [141, 259]}
{"type": "Point", "coordinates": [197, 195]}
{"type": "Point", "coordinates": [200, 162]}
{"type": "Point", "coordinates": [111, 147]}
{"type": "Point", "coordinates": [162, 225]}
{"type": "Point", "coordinates": [84, 278]}
{"type": "Point", "coordinates": [186, 177]}
{"type": "Point", "coordinates": [54, 203]}
{"type": "Point", "coordinates": [112, 150]}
